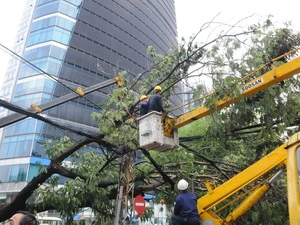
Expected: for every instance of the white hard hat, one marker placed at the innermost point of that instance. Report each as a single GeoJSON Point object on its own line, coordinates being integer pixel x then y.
{"type": "Point", "coordinates": [182, 185]}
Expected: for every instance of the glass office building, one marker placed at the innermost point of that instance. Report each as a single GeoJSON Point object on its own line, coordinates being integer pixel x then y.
{"type": "Point", "coordinates": [66, 44]}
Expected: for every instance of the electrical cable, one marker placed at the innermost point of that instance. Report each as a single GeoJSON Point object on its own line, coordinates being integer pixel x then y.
{"type": "Point", "coordinates": [20, 58]}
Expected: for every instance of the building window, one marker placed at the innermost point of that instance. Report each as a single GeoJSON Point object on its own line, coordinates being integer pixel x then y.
{"type": "Point", "coordinates": [49, 34]}
{"type": "Point", "coordinates": [47, 7]}
{"type": "Point", "coordinates": [13, 173]}
{"type": "Point", "coordinates": [17, 173]}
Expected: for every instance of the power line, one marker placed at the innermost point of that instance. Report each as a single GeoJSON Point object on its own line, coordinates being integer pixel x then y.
{"type": "Point", "coordinates": [18, 109]}
{"type": "Point", "coordinates": [20, 58]}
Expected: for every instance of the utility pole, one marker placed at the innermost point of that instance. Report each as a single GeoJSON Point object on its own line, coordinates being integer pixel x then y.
{"type": "Point", "coordinates": [124, 188]}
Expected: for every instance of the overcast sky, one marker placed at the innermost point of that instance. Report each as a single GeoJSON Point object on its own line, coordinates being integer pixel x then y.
{"type": "Point", "coordinates": [10, 15]}
{"type": "Point", "coordinates": [191, 14]}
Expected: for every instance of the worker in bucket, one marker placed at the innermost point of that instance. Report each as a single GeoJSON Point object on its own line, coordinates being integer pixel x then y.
{"type": "Point", "coordinates": [155, 101]}
{"type": "Point", "coordinates": [144, 108]}
{"type": "Point", "coordinates": [185, 209]}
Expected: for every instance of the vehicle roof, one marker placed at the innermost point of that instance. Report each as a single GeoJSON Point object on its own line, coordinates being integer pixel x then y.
{"type": "Point", "coordinates": [48, 218]}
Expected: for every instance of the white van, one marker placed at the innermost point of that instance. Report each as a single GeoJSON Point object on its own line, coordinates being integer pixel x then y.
{"type": "Point", "coordinates": [44, 220]}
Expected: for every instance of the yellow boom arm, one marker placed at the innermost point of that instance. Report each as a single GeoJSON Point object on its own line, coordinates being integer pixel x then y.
{"type": "Point", "coordinates": [252, 173]}
{"type": "Point", "coordinates": [262, 82]}
{"type": "Point", "coordinates": [284, 157]}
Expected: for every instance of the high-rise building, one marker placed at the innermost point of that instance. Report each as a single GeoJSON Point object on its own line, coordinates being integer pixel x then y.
{"type": "Point", "coordinates": [66, 44]}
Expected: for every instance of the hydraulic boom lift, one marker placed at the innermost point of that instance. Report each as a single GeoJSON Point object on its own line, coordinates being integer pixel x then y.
{"type": "Point", "coordinates": [153, 136]}
{"type": "Point", "coordinates": [159, 132]}
{"type": "Point", "coordinates": [283, 158]}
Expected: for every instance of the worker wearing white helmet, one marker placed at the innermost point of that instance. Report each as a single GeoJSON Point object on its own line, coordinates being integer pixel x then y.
{"type": "Point", "coordinates": [182, 185]}
{"type": "Point", "coordinates": [155, 101]}
{"type": "Point", "coordinates": [185, 209]}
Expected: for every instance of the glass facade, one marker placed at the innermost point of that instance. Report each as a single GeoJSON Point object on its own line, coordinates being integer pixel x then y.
{"type": "Point", "coordinates": [13, 173]}
{"type": "Point", "coordinates": [69, 40]}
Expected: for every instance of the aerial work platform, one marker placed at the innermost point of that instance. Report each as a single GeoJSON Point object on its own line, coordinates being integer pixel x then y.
{"type": "Point", "coordinates": [151, 133]}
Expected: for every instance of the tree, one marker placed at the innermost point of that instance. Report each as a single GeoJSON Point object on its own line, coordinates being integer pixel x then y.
{"type": "Point", "coordinates": [223, 147]}
{"type": "Point", "coordinates": [248, 130]}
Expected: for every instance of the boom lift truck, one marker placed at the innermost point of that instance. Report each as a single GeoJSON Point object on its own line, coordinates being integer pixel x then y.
{"type": "Point", "coordinates": [161, 135]}
{"type": "Point", "coordinates": [154, 136]}
{"type": "Point", "coordinates": [283, 158]}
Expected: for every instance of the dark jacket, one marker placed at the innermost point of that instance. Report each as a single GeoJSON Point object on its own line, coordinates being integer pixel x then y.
{"type": "Point", "coordinates": [186, 205]}
{"type": "Point", "coordinates": [155, 103]}
{"type": "Point", "coordinates": [144, 109]}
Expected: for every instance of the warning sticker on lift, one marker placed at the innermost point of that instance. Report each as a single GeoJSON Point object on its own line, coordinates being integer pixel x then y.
{"type": "Point", "coordinates": [252, 84]}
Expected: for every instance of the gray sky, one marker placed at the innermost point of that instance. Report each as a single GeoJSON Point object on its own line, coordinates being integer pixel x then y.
{"type": "Point", "coordinates": [10, 15]}
{"type": "Point", "coordinates": [191, 14]}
